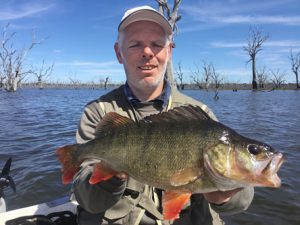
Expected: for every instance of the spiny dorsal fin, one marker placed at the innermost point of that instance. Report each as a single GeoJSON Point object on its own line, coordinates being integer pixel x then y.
{"type": "Point", "coordinates": [179, 114]}
{"type": "Point", "coordinates": [111, 121]}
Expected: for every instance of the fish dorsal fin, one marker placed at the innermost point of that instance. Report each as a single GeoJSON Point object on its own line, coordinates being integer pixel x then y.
{"type": "Point", "coordinates": [179, 114]}
{"type": "Point", "coordinates": [111, 121]}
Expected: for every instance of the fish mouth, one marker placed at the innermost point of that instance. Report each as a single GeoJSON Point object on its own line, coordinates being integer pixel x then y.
{"type": "Point", "coordinates": [268, 174]}
{"type": "Point", "coordinates": [262, 174]}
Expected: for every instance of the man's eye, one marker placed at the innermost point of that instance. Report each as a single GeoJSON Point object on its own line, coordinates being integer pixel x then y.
{"type": "Point", "coordinates": [157, 45]}
{"type": "Point", "coordinates": [134, 46]}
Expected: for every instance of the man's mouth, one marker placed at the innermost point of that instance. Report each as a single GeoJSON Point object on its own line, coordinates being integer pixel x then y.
{"type": "Point", "coordinates": [146, 67]}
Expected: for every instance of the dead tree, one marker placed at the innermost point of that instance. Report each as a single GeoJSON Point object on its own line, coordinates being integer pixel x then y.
{"type": "Point", "coordinates": [173, 18]}
{"type": "Point", "coordinates": [295, 62]}
{"type": "Point", "coordinates": [196, 77]}
{"type": "Point", "coordinates": [106, 82]}
{"type": "Point", "coordinates": [12, 61]}
{"type": "Point", "coordinates": [208, 70]}
{"type": "Point", "coordinates": [216, 80]}
{"type": "Point", "coordinates": [255, 41]}
{"type": "Point", "coordinates": [262, 77]}
{"type": "Point", "coordinates": [42, 74]}
{"type": "Point", "coordinates": [75, 83]}
{"type": "Point", "coordinates": [179, 74]}
{"type": "Point", "coordinates": [278, 78]}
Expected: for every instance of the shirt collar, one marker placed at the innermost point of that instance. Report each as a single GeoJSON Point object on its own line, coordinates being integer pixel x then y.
{"type": "Point", "coordinates": [163, 97]}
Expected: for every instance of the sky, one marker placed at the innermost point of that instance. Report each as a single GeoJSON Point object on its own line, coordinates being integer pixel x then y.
{"type": "Point", "coordinates": [78, 36]}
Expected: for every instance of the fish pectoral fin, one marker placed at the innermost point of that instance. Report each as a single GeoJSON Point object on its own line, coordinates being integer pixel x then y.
{"type": "Point", "coordinates": [185, 176]}
{"type": "Point", "coordinates": [101, 172]}
{"type": "Point", "coordinates": [173, 202]}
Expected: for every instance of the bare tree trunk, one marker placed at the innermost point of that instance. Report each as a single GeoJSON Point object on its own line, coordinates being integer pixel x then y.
{"type": "Point", "coordinates": [255, 41]}
{"type": "Point", "coordinates": [106, 82]}
{"type": "Point", "coordinates": [172, 18]}
{"type": "Point", "coordinates": [254, 82]}
{"type": "Point", "coordinates": [295, 63]}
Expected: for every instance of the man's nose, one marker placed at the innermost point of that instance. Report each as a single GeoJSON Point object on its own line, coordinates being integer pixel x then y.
{"type": "Point", "coordinates": [147, 52]}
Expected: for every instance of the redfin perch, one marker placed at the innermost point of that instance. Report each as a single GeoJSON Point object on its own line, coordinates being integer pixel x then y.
{"type": "Point", "coordinates": [182, 151]}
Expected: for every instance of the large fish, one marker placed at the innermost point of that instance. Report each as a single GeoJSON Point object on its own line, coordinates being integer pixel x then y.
{"type": "Point", "coordinates": [181, 151]}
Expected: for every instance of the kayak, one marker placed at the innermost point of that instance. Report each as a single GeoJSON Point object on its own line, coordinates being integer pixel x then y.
{"type": "Point", "coordinates": [63, 210]}
{"type": "Point", "coordinates": [56, 206]}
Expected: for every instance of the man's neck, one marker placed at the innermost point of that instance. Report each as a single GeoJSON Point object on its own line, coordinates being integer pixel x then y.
{"type": "Point", "coordinates": [149, 93]}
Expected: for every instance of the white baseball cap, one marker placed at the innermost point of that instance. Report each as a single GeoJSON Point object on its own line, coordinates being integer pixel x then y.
{"type": "Point", "coordinates": [144, 13]}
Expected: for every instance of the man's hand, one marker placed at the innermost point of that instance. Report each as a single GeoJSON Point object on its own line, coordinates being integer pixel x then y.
{"type": "Point", "coordinates": [220, 197]}
{"type": "Point", "coordinates": [123, 176]}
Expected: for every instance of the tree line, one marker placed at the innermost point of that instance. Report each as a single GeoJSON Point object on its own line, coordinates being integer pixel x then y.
{"type": "Point", "coordinates": [206, 77]}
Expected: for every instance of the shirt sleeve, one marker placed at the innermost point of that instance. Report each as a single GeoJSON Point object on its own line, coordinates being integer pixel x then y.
{"type": "Point", "coordinates": [99, 197]}
{"type": "Point", "coordinates": [238, 203]}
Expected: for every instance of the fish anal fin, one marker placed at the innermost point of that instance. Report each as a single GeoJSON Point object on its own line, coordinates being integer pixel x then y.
{"type": "Point", "coordinates": [111, 121]}
{"type": "Point", "coordinates": [173, 202]}
{"type": "Point", "coordinates": [185, 176]}
{"type": "Point", "coordinates": [101, 172]}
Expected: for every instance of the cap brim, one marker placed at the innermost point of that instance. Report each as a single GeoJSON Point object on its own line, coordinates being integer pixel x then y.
{"type": "Point", "coordinates": [146, 15]}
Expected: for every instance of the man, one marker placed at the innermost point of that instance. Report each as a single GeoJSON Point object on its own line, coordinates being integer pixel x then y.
{"type": "Point", "coordinates": [144, 48]}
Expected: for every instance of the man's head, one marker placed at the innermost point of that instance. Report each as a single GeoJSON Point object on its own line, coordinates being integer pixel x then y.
{"type": "Point", "coordinates": [144, 13]}
{"type": "Point", "coordinates": [144, 48]}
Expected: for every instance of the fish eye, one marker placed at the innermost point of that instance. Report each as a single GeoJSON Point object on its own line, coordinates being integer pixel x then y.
{"type": "Point", "coordinates": [254, 149]}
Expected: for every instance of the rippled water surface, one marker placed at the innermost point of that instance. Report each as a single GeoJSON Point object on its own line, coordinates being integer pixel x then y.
{"type": "Point", "coordinates": [33, 123]}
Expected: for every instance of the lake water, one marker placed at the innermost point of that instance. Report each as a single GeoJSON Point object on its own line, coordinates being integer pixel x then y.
{"type": "Point", "coordinates": [33, 123]}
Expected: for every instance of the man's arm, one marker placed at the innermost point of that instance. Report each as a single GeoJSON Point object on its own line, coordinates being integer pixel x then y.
{"type": "Point", "coordinates": [230, 202]}
{"type": "Point", "coordinates": [99, 197]}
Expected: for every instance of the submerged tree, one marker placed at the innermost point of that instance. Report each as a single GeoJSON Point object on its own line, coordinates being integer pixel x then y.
{"type": "Point", "coordinates": [42, 74]}
{"type": "Point", "coordinates": [173, 18]}
{"type": "Point", "coordinates": [216, 80]}
{"type": "Point", "coordinates": [12, 61]}
{"type": "Point", "coordinates": [196, 77]}
{"type": "Point", "coordinates": [262, 77]}
{"type": "Point", "coordinates": [179, 74]}
{"type": "Point", "coordinates": [255, 41]}
{"type": "Point", "coordinates": [278, 78]}
{"type": "Point", "coordinates": [295, 62]}
{"type": "Point", "coordinates": [206, 75]}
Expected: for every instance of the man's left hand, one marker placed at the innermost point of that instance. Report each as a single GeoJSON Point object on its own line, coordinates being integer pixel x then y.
{"type": "Point", "coordinates": [220, 197]}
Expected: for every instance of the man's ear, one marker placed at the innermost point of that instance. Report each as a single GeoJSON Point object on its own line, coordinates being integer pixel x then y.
{"type": "Point", "coordinates": [118, 52]}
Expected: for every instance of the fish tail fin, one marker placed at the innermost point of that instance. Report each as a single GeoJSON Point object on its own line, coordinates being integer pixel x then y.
{"type": "Point", "coordinates": [69, 162]}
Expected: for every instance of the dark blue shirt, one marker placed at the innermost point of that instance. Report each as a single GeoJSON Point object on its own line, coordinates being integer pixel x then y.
{"type": "Point", "coordinates": [161, 100]}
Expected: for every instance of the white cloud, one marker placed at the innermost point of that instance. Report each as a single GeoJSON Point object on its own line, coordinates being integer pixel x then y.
{"type": "Point", "coordinates": [208, 14]}
{"type": "Point", "coordinates": [88, 64]}
{"type": "Point", "coordinates": [57, 51]}
{"type": "Point", "coordinates": [11, 11]}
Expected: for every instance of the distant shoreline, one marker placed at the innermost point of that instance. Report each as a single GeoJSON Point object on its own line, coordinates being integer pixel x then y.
{"type": "Point", "coordinates": [225, 86]}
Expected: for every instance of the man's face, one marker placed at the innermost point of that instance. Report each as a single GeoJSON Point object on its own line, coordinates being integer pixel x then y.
{"type": "Point", "coordinates": [144, 51]}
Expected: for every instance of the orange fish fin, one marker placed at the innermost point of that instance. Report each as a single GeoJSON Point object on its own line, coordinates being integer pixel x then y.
{"type": "Point", "coordinates": [69, 162]}
{"type": "Point", "coordinates": [173, 202]}
{"type": "Point", "coordinates": [185, 176]}
{"type": "Point", "coordinates": [101, 172]}
{"type": "Point", "coordinates": [110, 121]}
